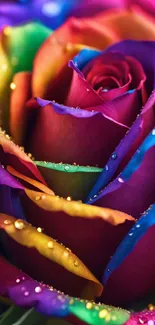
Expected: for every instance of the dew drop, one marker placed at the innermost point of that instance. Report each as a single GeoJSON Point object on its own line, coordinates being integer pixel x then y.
{"type": "Point", "coordinates": [89, 305]}
{"type": "Point", "coordinates": [103, 313]}
{"type": "Point", "coordinates": [50, 244]}
{"type": "Point", "coordinates": [120, 180]}
{"type": "Point", "coordinates": [88, 89]}
{"type": "Point", "coordinates": [114, 156]}
{"type": "Point", "coordinates": [137, 226]}
{"type": "Point", "coordinates": [69, 198]}
{"type": "Point", "coordinates": [12, 86]}
{"type": "Point", "coordinates": [76, 263]}
{"type": "Point", "coordinates": [39, 229]}
{"type": "Point", "coordinates": [38, 289]}
{"type": "Point", "coordinates": [37, 198]}
{"type": "Point", "coordinates": [105, 90]}
{"type": "Point", "coordinates": [66, 167]}
{"type": "Point", "coordinates": [26, 293]}
{"type": "Point", "coordinates": [106, 167]}
{"type": "Point", "coordinates": [153, 131]}
{"type": "Point", "coordinates": [130, 234]}
{"type": "Point", "coordinates": [19, 224]}
{"type": "Point", "coordinates": [18, 280]}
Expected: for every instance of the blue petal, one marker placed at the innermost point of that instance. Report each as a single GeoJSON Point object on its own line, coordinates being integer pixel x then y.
{"type": "Point", "coordinates": [84, 57]}
{"type": "Point", "coordinates": [130, 241]}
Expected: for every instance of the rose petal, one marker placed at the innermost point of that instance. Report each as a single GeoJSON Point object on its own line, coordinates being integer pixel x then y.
{"type": "Point", "coordinates": [27, 293]}
{"type": "Point", "coordinates": [15, 60]}
{"type": "Point", "coordinates": [128, 24]}
{"type": "Point", "coordinates": [31, 181]}
{"type": "Point", "coordinates": [19, 96]}
{"type": "Point", "coordinates": [81, 94]}
{"type": "Point", "coordinates": [69, 180]}
{"type": "Point", "coordinates": [133, 139]}
{"type": "Point", "coordinates": [74, 145]}
{"type": "Point", "coordinates": [136, 249]}
{"type": "Point", "coordinates": [122, 109]}
{"type": "Point", "coordinates": [139, 51]}
{"type": "Point", "coordinates": [135, 184]}
{"type": "Point", "coordinates": [90, 225]}
{"type": "Point", "coordinates": [10, 154]}
{"type": "Point", "coordinates": [28, 237]}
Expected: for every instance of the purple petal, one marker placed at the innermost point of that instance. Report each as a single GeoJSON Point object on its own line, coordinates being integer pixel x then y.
{"type": "Point", "coordinates": [136, 184]}
{"type": "Point", "coordinates": [126, 148]}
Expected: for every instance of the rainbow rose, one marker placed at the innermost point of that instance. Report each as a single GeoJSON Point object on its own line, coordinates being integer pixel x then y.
{"type": "Point", "coordinates": [77, 212]}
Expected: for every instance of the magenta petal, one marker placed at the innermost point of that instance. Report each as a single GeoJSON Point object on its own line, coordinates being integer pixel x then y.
{"type": "Point", "coordinates": [71, 135]}
{"type": "Point", "coordinates": [81, 94]}
{"type": "Point", "coordinates": [144, 317]}
{"type": "Point", "coordinates": [123, 109]}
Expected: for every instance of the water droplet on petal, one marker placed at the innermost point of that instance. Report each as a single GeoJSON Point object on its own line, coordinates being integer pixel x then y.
{"type": "Point", "coordinates": [12, 86]}
{"type": "Point", "coordinates": [114, 155]}
{"type": "Point", "coordinates": [38, 289]}
{"type": "Point", "coordinates": [39, 229]}
{"type": "Point", "coordinates": [130, 234]}
{"type": "Point", "coordinates": [153, 131]}
{"type": "Point", "coordinates": [121, 180]}
{"type": "Point", "coordinates": [37, 198]}
{"type": "Point", "coordinates": [69, 198]}
{"type": "Point", "coordinates": [103, 313]}
{"type": "Point", "coordinates": [137, 226]}
{"type": "Point", "coordinates": [19, 224]}
{"type": "Point", "coordinates": [66, 167]}
{"type": "Point", "coordinates": [76, 263]}
{"type": "Point", "coordinates": [106, 167]}
{"type": "Point", "coordinates": [105, 90]}
{"type": "Point", "coordinates": [89, 305]}
{"type": "Point", "coordinates": [18, 280]}
{"type": "Point", "coordinates": [26, 293]}
{"type": "Point", "coordinates": [88, 89]}
{"type": "Point", "coordinates": [50, 244]}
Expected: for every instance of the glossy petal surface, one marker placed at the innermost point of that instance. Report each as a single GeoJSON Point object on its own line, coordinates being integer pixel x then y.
{"type": "Point", "coordinates": [97, 231]}
{"type": "Point", "coordinates": [73, 143]}
{"type": "Point", "coordinates": [29, 238]}
{"type": "Point", "coordinates": [137, 249]}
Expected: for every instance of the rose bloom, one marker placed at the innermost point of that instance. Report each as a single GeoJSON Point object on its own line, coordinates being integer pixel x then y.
{"type": "Point", "coordinates": [77, 223]}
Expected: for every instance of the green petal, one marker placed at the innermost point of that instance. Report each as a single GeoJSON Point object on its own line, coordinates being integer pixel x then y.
{"type": "Point", "coordinates": [98, 314]}
{"type": "Point", "coordinates": [69, 180]}
{"type": "Point", "coordinates": [19, 46]}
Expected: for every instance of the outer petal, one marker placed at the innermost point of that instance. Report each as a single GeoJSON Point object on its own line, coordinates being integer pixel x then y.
{"type": "Point", "coordinates": [19, 96]}
{"type": "Point", "coordinates": [27, 36]}
{"type": "Point", "coordinates": [10, 154]}
{"type": "Point", "coordinates": [77, 136]}
{"type": "Point", "coordinates": [133, 264]}
{"type": "Point", "coordinates": [88, 230]}
{"type": "Point", "coordinates": [128, 24]}
{"type": "Point", "coordinates": [127, 147]}
{"type": "Point", "coordinates": [62, 47]}
{"type": "Point", "coordinates": [27, 293]}
{"type": "Point", "coordinates": [55, 255]}
{"type": "Point", "coordinates": [134, 184]}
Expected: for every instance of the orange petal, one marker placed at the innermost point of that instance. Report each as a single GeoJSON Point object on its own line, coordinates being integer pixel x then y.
{"type": "Point", "coordinates": [128, 24]}
{"type": "Point", "coordinates": [31, 181]}
{"type": "Point", "coordinates": [63, 45]}
{"type": "Point", "coordinates": [19, 96]}
{"type": "Point", "coordinates": [77, 209]}
{"type": "Point", "coordinates": [15, 156]}
{"type": "Point", "coordinates": [30, 237]}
